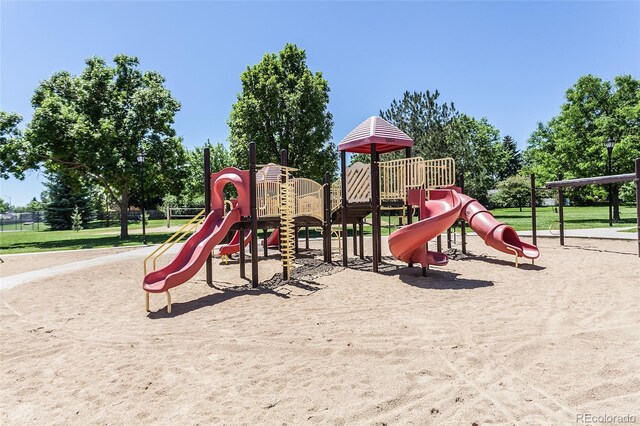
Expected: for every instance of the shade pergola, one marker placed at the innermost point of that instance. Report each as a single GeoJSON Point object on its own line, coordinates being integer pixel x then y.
{"type": "Point", "coordinates": [375, 131]}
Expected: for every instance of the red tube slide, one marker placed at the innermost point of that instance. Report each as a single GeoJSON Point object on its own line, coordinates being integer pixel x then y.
{"type": "Point", "coordinates": [408, 244]}
{"type": "Point", "coordinates": [495, 234]}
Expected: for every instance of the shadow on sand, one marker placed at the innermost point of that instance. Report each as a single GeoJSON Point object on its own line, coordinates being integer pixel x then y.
{"type": "Point", "coordinates": [302, 278]}
{"type": "Point", "coordinates": [522, 263]}
{"type": "Point", "coordinates": [435, 279]}
{"type": "Point", "coordinates": [310, 268]}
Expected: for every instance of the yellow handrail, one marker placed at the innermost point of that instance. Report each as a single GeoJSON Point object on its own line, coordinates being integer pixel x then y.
{"type": "Point", "coordinates": [179, 235]}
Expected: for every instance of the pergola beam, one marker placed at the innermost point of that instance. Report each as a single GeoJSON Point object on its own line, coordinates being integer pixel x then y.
{"type": "Point", "coordinates": [596, 180]}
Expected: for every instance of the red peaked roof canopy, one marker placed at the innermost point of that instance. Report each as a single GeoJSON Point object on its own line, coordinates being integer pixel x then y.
{"type": "Point", "coordinates": [375, 130]}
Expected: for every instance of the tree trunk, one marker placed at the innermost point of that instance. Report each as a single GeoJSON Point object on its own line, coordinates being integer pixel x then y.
{"type": "Point", "coordinates": [124, 214]}
{"type": "Point", "coordinates": [616, 203]}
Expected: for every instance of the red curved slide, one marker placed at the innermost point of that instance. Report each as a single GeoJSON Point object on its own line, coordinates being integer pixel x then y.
{"type": "Point", "coordinates": [197, 248]}
{"type": "Point", "coordinates": [234, 245]}
{"type": "Point", "coordinates": [495, 234]}
{"type": "Point", "coordinates": [408, 244]}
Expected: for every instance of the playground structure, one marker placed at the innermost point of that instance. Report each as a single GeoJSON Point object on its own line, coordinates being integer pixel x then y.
{"type": "Point", "coordinates": [272, 198]}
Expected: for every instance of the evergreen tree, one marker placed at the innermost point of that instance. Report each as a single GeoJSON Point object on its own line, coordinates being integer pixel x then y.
{"type": "Point", "coordinates": [513, 161]}
{"type": "Point", "coordinates": [65, 193]}
{"type": "Point", "coordinates": [76, 220]}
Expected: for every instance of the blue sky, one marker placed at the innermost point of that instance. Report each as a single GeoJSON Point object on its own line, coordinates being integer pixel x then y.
{"type": "Point", "coordinates": [508, 61]}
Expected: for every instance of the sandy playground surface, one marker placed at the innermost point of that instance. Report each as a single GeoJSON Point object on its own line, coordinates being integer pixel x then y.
{"type": "Point", "coordinates": [477, 342]}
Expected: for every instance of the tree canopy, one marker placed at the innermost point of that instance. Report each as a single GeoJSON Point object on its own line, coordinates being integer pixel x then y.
{"type": "Point", "coordinates": [95, 124]}
{"type": "Point", "coordinates": [193, 193]}
{"type": "Point", "coordinates": [283, 104]}
{"type": "Point", "coordinates": [514, 191]}
{"type": "Point", "coordinates": [573, 142]}
{"type": "Point", "coordinates": [10, 144]}
{"type": "Point", "coordinates": [440, 131]}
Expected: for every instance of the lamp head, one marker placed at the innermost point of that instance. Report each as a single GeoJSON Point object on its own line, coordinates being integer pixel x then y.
{"type": "Point", "coordinates": [609, 143]}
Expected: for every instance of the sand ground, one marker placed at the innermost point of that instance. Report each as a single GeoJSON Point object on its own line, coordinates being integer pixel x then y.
{"type": "Point", "coordinates": [476, 342]}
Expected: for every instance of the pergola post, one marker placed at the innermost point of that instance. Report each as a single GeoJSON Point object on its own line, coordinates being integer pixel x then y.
{"type": "Point", "coordinates": [561, 211]}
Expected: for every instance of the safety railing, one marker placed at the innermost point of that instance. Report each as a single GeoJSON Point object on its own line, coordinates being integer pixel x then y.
{"type": "Point", "coordinates": [268, 191]}
{"type": "Point", "coordinates": [336, 194]}
{"type": "Point", "coordinates": [188, 228]}
{"type": "Point", "coordinates": [396, 176]}
{"type": "Point", "coordinates": [308, 198]}
{"type": "Point", "coordinates": [440, 172]}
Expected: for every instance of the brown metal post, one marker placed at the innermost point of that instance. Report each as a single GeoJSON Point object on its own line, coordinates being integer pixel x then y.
{"type": "Point", "coordinates": [379, 207]}
{"type": "Point", "coordinates": [374, 206]}
{"type": "Point", "coordinates": [448, 238]}
{"type": "Point", "coordinates": [265, 247]}
{"type": "Point", "coordinates": [637, 181]}
{"type": "Point", "coordinates": [243, 273]}
{"type": "Point", "coordinates": [295, 240]}
{"type": "Point", "coordinates": [343, 165]}
{"type": "Point", "coordinates": [207, 207]}
{"type": "Point", "coordinates": [561, 211]}
{"type": "Point", "coordinates": [439, 243]}
{"type": "Point", "coordinates": [361, 230]}
{"type": "Point", "coordinates": [306, 237]}
{"type": "Point", "coordinates": [534, 231]}
{"type": "Point", "coordinates": [326, 226]}
{"type": "Point", "coordinates": [355, 239]}
{"type": "Point", "coordinates": [463, 225]}
{"type": "Point", "coordinates": [408, 154]}
{"type": "Point", "coordinates": [253, 208]}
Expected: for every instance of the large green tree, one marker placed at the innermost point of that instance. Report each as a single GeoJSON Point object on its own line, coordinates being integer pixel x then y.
{"type": "Point", "coordinates": [95, 124]}
{"type": "Point", "coordinates": [283, 104]}
{"type": "Point", "coordinates": [193, 194]}
{"type": "Point", "coordinates": [10, 141]}
{"type": "Point", "coordinates": [574, 141]}
{"type": "Point", "coordinates": [440, 131]}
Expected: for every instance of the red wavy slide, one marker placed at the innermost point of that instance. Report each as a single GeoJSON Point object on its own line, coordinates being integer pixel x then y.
{"type": "Point", "coordinates": [495, 234]}
{"type": "Point", "coordinates": [193, 253]}
{"type": "Point", "coordinates": [197, 248]}
{"type": "Point", "coordinates": [234, 245]}
{"type": "Point", "coordinates": [408, 244]}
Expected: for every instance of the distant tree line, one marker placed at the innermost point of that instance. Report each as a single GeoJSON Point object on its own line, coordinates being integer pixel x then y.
{"type": "Point", "coordinates": [88, 130]}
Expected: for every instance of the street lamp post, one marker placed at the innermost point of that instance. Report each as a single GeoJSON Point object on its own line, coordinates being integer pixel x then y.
{"type": "Point", "coordinates": [609, 144]}
{"type": "Point", "coordinates": [141, 162]}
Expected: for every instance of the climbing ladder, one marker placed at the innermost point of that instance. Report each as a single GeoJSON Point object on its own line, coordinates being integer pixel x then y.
{"type": "Point", "coordinates": [287, 228]}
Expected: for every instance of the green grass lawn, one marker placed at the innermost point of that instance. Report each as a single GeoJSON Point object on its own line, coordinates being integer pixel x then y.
{"type": "Point", "coordinates": [45, 240]}
{"type": "Point", "coordinates": [574, 218]}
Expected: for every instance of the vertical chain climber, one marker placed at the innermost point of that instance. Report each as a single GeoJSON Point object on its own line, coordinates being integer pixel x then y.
{"type": "Point", "coordinates": [287, 198]}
